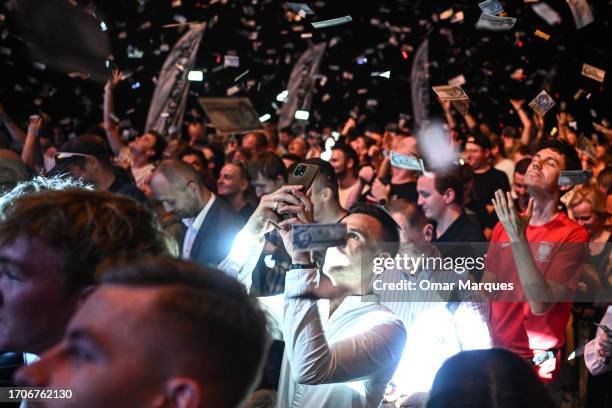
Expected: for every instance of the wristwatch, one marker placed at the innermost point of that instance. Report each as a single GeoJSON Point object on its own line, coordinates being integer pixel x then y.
{"type": "Point", "coordinates": [302, 266]}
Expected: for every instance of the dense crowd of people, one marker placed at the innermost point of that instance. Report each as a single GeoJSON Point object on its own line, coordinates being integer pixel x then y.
{"type": "Point", "coordinates": [165, 268]}
{"type": "Point", "coordinates": [120, 244]}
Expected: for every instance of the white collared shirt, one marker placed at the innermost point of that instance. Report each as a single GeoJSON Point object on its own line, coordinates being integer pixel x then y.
{"type": "Point", "coordinates": [342, 360]}
{"type": "Point", "coordinates": [193, 226]}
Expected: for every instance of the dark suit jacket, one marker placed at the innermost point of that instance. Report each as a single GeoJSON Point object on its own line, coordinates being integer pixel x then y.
{"type": "Point", "coordinates": [216, 235]}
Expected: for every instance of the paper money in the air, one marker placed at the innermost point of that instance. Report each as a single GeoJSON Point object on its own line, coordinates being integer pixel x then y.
{"type": "Point", "coordinates": [332, 22]}
{"type": "Point", "coordinates": [317, 237]}
{"type": "Point", "coordinates": [593, 72]}
{"type": "Point", "coordinates": [574, 177]}
{"type": "Point", "coordinates": [406, 162]}
{"type": "Point", "coordinates": [491, 7]}
{"type": "Point", "coordinates": [457, 81]}
{"type": "Point", "coordinates": [450, 93]}
{"type": "Point", "coordinates": [542, 103]}
{"type": "Point", "coordinates": [581, 12]}
{"type": "Point", "coordinates": [231, 115]}
{"type": "Point", "coordinates": [587, 146]}
{"type": "Point", "coordinates": [300, 8]}
{"type": "Point", "coordinates": [546, 12]}
{"type": "Point", "coordinates": [494, 23]}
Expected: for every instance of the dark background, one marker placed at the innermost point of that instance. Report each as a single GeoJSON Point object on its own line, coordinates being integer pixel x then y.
{"type": "Point", "coordinates": [486, 59]}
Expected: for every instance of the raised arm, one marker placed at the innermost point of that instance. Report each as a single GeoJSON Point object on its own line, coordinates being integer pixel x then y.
{"type": "Point", "coordinates": [540, 293]}
{"type": "Point", "coordinates": [313, 359]}
{"type": "Point", "coordinates": [517, 104]}
{"type": "Point", "coordinates": [31, 153]}
{"type": "Point", "coordinates": [112, 131]}
{"type": "Point", "coordinates": [448, 113]}
{"type": "Point", "coordinates": [16, 133]}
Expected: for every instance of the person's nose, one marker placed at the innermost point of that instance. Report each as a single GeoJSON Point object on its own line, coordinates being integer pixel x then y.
{"type": "Point", "coordinates": [33, 375]}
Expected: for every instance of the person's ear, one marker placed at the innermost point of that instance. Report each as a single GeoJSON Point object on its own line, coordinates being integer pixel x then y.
{"type": "Point", "coordinates": [150, 153]}
{"type": "Point", "coordinates": [244, 185]}
{"type": "Point", "coordinates": [449, 196]}
{"type": "Point", "coordinates": [193, 187]}
{"type": "Point", "coordinates": [428, 232]}
{"type": "Point", "coordinates": [350, 163]}
{"type": "Point", "coordinates": [181, 392]}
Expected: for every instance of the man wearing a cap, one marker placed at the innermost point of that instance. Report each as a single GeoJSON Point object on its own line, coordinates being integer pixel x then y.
{"type": "Point", "coordinates": [87, 157]}
{"type": "Point", "coordinates": [487, 179]}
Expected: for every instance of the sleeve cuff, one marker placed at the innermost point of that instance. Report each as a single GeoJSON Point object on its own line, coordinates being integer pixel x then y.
{"type": "Point", "coordinates": [300, 281]}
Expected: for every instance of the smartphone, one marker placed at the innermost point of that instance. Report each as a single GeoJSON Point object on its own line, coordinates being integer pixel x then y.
{"type": "Point", "coordinates": [302, 174]}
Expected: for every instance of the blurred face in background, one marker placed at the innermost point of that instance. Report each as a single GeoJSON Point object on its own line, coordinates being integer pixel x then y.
{"type": "Point", "coordinates": [195, 131]}
{"type": "Point", "coordinates": [476, 156]}
{"type": "Point", "coordinates": [340, 163]}
{"type": "Point", "coordinates": [264, 185]}
{"type": "Point", "coordinates": [586, 217]}
{"type": "Point", "coordinates": [432, 202]}
{"type": "Point", "coordinates": [230, 181]}
{"type": "Point", "coordinates": [298, 147]}
{"type": "Point", "coordinates": [195, 162]}
{"type": "Point", "coordinates": [519, 187]}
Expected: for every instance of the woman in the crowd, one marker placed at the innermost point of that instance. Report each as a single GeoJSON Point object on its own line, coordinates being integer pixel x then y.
{"type": "Point", "coordinates": [587, 207]}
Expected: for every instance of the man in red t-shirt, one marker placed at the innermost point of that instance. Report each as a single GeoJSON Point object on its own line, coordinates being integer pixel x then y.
{"type": "Point", "coordinates": [540, 253]}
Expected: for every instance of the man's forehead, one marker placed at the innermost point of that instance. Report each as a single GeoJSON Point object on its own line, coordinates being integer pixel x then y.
{"type": "Point", "coordinates": [549, 153]}
{"type": "Point", "coordinates": [363, 223]}
{"type": "Point", "coordinates": [425, 181]}
{"type": "Point", "coordinates": [111, 302]}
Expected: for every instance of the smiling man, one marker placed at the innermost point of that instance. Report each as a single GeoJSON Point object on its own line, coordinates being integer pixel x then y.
{"type": "Point", "coordinates": [541, 252]}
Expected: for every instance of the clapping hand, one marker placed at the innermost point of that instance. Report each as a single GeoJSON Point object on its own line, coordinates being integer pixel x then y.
{"type": "Point", "coordinates": [514, 224]}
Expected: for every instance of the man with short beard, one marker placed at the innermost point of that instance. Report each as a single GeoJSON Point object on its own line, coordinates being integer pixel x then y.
{"type": "Point", "coordinates": [332, 357]}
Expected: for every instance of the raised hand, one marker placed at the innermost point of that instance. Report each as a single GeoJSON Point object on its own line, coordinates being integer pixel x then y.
{"type": "Point", "coordinates": [116, 77]}
{"type": "Point", "coordinates": [267, 214]}
{"type": "Point", "coordinates": [36, 123]}
{"type": "Point", "coordinates": [514, 224]}
{"type": "Point", "coordinates": [517, 103]}
{"type": "Point", "coordinates": [301, 213]}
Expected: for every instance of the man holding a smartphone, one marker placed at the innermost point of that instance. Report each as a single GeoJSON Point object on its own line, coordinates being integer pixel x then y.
{"type": "Point", "coordinates": [339, 351]}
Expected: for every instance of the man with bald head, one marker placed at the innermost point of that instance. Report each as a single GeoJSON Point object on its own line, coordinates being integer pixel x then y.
{"type": "Point", "coordinates": [209, 224]}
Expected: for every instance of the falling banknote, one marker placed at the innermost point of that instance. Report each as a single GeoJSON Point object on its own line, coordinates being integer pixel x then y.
{"type": "Point", "coordinates": [317, 237]}
{"type": "Point", "coordinates": [300, 8]}
{"type": "Point", "coordinates": [491, 7]}
{"type": "Point", "coordinates": [593, 72]}
{"type": "Point", "coordinates": [494, 23]}
{"type": "Point", "coordinates": [581, 12]}
{"type": "Point", "coordinates": [587, 146]}
{"type": "Point", "coordinates": [450, 93]}
{"type": "Point", "coordinates": [574, 177]}
{"type": "Point", "coordinates": [332, 22]}
{"type": "Point", "coordinates": [542, 103]}
{"type": "Point", "coordinates": [402, 161]}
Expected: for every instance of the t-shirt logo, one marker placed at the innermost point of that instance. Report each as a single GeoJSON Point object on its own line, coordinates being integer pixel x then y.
{"type": "Point", "coordinates": [544, 251]}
